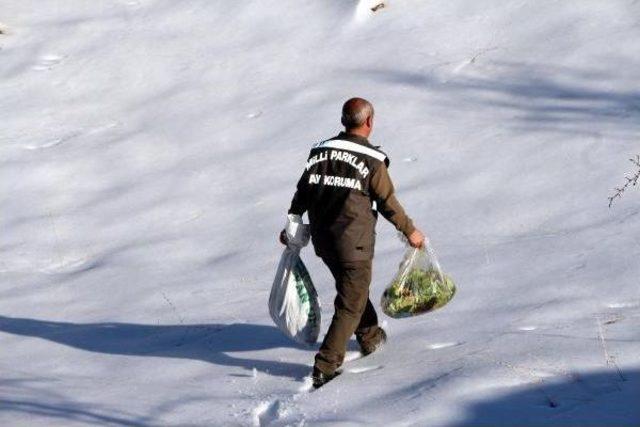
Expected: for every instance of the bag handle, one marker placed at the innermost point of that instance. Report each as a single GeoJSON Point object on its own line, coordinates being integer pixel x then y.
{"type": "Point", "coordinates": [434, 259]}
{"type": "Point", "coordinates": [414, 253]}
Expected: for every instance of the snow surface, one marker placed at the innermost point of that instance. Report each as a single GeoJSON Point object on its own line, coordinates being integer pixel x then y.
{"type": "Point", "coordinates": [149, 150]}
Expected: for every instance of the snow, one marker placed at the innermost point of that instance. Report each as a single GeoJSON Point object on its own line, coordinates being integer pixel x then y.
{"type": "Point", "coordinates": [149, 150]}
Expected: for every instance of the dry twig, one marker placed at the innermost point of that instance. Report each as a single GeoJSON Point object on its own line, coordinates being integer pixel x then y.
{"type": "Point", "coordinates": [631, 180]}
{"type": "Point", "coordinates": [377, 7]}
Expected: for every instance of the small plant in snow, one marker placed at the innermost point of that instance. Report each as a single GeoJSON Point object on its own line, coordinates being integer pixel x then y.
{"type": "Point", "coordinates": [631, 180]}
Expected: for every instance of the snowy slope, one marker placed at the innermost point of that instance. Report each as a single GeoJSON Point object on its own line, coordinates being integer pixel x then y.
{"type": "Point", "coordinates": [149, 150]}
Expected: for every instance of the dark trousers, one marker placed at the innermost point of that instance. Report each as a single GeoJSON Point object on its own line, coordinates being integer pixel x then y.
{"type": "Point", "coordinates": [354, 313]}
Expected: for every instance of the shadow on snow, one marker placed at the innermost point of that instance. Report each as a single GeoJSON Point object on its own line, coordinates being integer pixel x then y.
{"type": "Point", "coordinates": [537, 98]}
{"type": "Point", "coordinates": [207, 342]}
{"type": "Point", "coordinates": [596, 398]}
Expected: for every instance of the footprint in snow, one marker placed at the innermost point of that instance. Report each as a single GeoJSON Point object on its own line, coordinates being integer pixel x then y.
{"type": "Point", "coordinates": [46, 144]}
{"type": "Point", "coordinates": [439, 345]}
{"type": "Point", "coordinates": [134, 4]}
{"type": "Point", "coordinates": [462, 65]}
{"type": "Point", "coordinates": [527, 328]}
{"type": "Point", "coordinates": [364, 369]}
{"type": "Point", "coordinates": [72, 266]}
{"type": "Point", "coordinates": [352, 355]}
{"type": "Point", "coordinates": [69, 136]}
{"type": "Point", "coordinates": [46, 62]}
{"type": "Point", "coordinates": [307, 385]}
{"type": "Point", "coordinates": [622, 305]}
{"type": "Point", "coordinates": [266, 413]}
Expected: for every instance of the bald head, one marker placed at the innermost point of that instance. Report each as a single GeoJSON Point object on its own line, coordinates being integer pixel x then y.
{"type": "Point", "coordinates": [357, 113]}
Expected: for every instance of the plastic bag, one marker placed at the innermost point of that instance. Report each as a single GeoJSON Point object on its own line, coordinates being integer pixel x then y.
{"type": "Point", "coordinates": [419, 286]}
{"type": "Point", "coordinates": [293, 303]}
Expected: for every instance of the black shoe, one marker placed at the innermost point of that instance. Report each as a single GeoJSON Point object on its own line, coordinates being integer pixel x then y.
{"type": "Point", "coordinates": [320, 378]}
{"type": "Point", "coordinates": [369, 347]}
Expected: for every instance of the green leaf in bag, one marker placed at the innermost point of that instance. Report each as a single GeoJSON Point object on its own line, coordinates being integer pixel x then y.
{"type": "Point", "coordinates": [420, 291]}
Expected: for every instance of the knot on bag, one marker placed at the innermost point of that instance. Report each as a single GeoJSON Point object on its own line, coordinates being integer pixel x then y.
{"type": "Point", "coordinates": [298, 234]}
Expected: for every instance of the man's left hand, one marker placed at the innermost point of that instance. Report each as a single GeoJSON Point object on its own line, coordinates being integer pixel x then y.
{"type": "Point", "coordinates": [283, 237]}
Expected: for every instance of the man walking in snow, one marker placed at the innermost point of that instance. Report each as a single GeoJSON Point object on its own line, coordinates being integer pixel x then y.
{"type": "Point", "coordinates": [344, 185]}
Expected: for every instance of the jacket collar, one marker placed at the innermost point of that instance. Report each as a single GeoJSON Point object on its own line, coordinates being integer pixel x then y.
{"type": "Point", "coordinates": [359, 140]}
{"type": "Point", "coordinates": [354, 138]}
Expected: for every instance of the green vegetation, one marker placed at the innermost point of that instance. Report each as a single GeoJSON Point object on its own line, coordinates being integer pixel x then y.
{"type": "Point", "coordinates": [421, 291]}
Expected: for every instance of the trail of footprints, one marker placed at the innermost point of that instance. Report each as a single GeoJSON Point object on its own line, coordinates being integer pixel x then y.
{"type": "Point", "coordinates": [272, 411]}
{"type": "Point", "coordinates": [282, 409]}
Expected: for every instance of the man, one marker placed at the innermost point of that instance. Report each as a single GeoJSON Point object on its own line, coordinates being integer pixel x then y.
{"type": "Point", "coordinates": [344, 182]}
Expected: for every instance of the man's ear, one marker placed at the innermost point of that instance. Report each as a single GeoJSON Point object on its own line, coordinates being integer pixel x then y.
{"type": "Point", "coordinates": [370, 121]}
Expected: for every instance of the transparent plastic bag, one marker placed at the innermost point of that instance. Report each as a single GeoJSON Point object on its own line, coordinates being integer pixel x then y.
{"type": "Point", "coordinates": [293, 302]}
{"type": "Point", "coordinates": [419, 286]}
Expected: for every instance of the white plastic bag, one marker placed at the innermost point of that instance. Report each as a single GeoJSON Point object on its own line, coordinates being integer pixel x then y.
{"type": "Point", "coordinates": [293, 303]}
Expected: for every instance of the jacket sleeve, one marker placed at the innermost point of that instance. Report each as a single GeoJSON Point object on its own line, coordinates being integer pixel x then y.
{"type": "Point", "coordinates": [382, 192]}
{"type": "Point", "coordinates": [299, 203]}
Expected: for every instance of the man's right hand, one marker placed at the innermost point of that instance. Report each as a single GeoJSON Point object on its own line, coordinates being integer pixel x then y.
{"type": "Point", "coordinates": [417, 239]}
